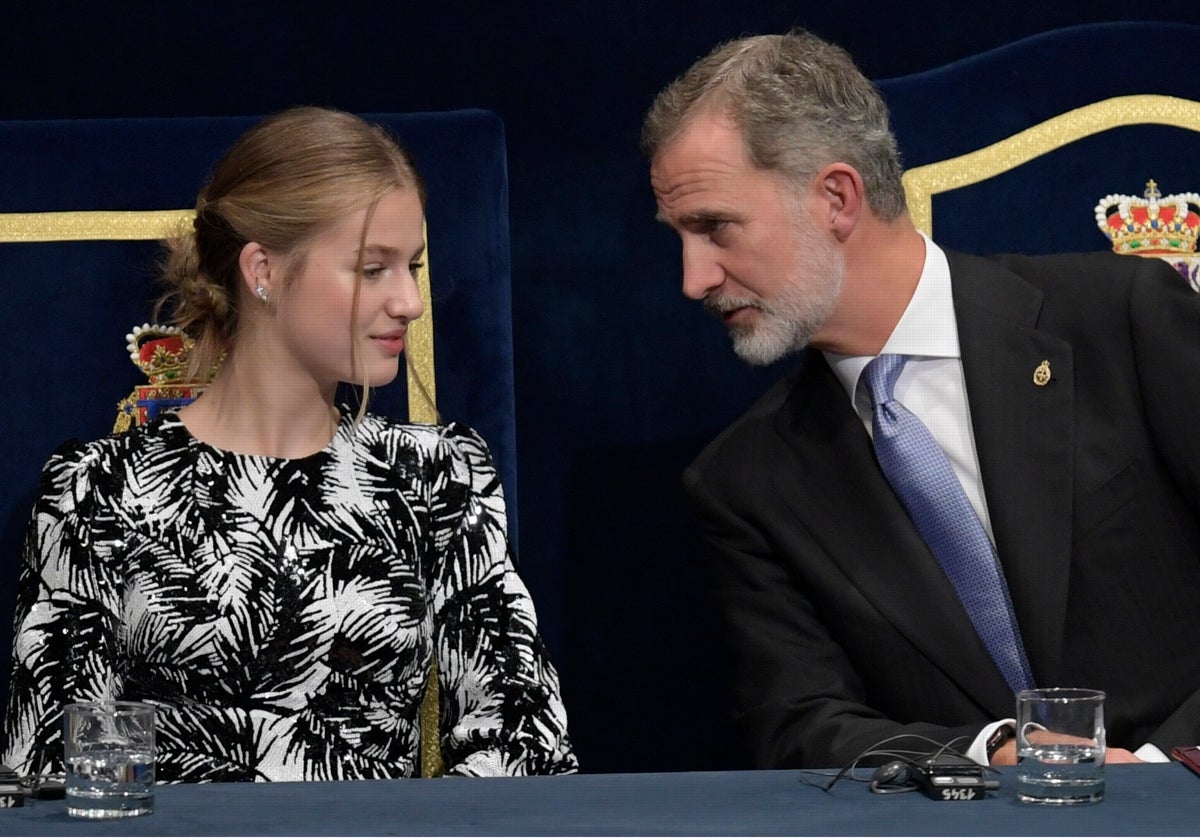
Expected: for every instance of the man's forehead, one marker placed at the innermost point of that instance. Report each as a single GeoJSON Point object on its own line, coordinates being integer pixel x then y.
{"type": "Point", "coordinates": [697, 187]}
{"type": "Point", "coordinates": [705, 135]}
{"type": "Point", "coordinates": [706, 152]}
{"type": "Point", "coordinates": [714, 190]}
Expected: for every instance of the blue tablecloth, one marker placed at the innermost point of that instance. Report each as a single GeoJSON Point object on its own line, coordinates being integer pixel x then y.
{"type": "Point", "coordinates": [1140, 800]}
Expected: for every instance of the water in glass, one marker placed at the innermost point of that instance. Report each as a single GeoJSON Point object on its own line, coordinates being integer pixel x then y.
{"type": "Point", "coordinates": [106, 782]}
{"type": "Point", "coordinates": [1060, 773]}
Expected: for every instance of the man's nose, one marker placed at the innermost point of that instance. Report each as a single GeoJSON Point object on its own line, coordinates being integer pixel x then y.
{"type": "Point", "coordinates": [701, 272]}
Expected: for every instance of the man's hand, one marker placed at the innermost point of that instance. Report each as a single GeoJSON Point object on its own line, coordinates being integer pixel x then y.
{"type": "Point", "coordinates": [1006, 755]}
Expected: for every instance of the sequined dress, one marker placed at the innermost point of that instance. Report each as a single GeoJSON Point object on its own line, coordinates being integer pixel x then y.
{"type": "Point", "coordinates": [282, 612]}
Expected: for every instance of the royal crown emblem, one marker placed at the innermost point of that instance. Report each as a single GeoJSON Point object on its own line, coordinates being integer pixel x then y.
{"type": "Point", "coordinates": [163, 354]}
{"type": "Point", "coordinates": [1154, 226]}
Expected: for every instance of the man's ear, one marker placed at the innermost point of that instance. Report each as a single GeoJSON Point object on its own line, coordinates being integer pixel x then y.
{"type": "Point", "coordinates": [840, 190]}
{"type": "Point", "coordinates": [256, 264]}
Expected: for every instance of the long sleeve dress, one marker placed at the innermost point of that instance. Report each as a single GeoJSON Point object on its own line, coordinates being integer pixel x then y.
{"type": "Point", "coordinates": [282, 613]}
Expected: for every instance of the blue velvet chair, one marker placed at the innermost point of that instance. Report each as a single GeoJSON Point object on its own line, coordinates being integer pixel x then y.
{"type": "Point", "coordinates": [1012, 149]}
{"type": "Point", "coordinates": [81, 206]}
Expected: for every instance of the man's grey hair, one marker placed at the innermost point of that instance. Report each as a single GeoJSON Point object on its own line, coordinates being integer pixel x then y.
{"type": "Point", "coordinates": [800, 103]}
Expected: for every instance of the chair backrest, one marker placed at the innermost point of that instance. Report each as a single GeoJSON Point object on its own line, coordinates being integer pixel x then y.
{"type": "Point", "coordinates": [82, 205]}
{"type": "Point", "coordinates": [1150, 224]}
{"type": "Point", "coordinates": [1012, 149]}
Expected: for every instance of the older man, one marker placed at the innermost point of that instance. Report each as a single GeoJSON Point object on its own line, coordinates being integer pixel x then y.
{"type": "Point", "coordinates": [983, 474]}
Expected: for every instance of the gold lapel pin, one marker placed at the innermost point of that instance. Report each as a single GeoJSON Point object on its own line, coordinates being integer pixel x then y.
{"type": "Point", "coordinates": [1041, 374]}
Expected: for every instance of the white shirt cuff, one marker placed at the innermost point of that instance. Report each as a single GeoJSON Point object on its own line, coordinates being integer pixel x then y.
{"type": "Point", "coordinates": [1151, 753]}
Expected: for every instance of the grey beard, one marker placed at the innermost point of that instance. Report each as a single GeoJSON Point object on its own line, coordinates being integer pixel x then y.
{"type": "Point", "coordinates": [762, 347]}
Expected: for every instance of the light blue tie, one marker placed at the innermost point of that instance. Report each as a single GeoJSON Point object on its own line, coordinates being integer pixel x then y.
{"type": "Point", "coordinates": [922, 477]}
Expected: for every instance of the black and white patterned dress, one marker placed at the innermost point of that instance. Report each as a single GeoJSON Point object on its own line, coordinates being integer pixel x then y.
{"type": "Point", "coordinates": [282, 613]}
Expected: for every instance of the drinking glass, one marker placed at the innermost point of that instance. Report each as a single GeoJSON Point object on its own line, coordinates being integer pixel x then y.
{"type": "Point", "coordinates": [1060, 745]}
{"type": "Point", "coordinates": [109, 751]}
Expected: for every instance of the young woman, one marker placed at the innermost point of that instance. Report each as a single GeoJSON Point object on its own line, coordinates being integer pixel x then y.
{"type": "Point", "coordinates": [273, 571]}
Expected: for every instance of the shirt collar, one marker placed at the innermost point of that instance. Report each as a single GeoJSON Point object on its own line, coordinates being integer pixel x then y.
{"type": "Point", "coordinates": [927, 328]}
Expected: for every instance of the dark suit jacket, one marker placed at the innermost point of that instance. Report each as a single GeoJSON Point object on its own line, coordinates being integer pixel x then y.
{"type": "Point", "coordinates": [845, 630]}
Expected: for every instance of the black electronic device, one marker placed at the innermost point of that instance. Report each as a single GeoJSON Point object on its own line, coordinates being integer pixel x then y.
{"type": "Point", "coordinates": [12, 792]}
{"type": "Point", "coordinates": [951, 778]}
{"type": "Point", "coordinates": [944, 774]}
{"type": "Point", "coordinates": [15, 789]}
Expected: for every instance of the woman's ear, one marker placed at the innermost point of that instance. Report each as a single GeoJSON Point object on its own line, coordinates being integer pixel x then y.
{"type": "Point", "coordinates": [256, 265]}
{"type": "Point", "coordinates": [840, 188]}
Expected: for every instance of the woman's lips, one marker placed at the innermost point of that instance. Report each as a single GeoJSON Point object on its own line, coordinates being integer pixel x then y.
{"type": "Point", "coordinates": [392, 342]}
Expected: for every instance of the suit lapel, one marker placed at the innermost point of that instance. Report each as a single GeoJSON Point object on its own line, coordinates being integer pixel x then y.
{"type": "Point", "coordinates": [854, 514]}
{"type": "Point", "coordinates": [1023, 436]}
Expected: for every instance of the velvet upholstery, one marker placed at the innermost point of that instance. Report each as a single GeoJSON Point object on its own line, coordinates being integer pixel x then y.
{"type": "Point", "coordinates": [69, 304]}
{"type": "Point", "coordinates": [1046, 206]}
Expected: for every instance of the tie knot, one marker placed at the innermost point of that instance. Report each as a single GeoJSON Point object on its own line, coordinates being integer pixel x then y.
{"type": "Point", "coordinates": [880, 376]}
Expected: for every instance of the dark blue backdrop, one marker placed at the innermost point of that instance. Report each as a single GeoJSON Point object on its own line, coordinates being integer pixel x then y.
{"type": "Point", "coordinates": [619, 380]}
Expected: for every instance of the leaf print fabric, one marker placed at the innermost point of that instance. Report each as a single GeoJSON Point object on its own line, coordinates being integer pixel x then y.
{"type": "Point", "coordinates": [282, 614]}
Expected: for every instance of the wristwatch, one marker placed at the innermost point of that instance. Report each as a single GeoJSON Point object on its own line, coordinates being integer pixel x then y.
{"type": "Point", "coordinates": [998, 738]}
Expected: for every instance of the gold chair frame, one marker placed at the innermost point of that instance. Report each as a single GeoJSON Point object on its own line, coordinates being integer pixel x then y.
{"type": "Point", "coordinates": [120, 225]}
{"type": "Point", "coordinates": [923, 182]}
